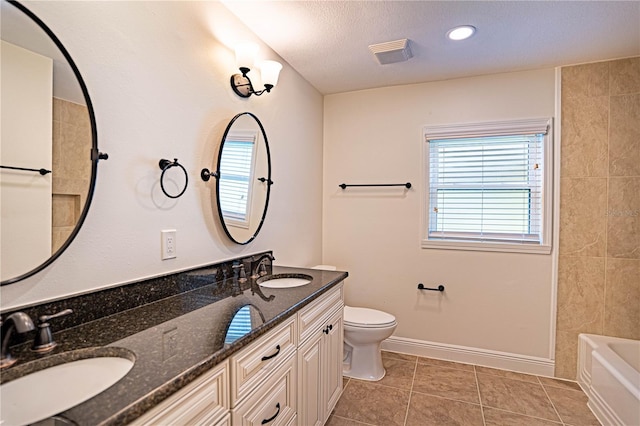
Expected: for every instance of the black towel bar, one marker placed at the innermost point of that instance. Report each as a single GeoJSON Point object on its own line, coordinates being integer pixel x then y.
{"type": "Point", "coordinates": [41, 171]}
{"type": "Point", "coordinates": [422, 287]}
{"type": "Point", "coordinates": [406, 185]}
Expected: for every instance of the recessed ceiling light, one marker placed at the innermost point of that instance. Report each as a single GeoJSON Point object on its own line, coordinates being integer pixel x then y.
{"type": "Point", "coordinates": [462, 32]}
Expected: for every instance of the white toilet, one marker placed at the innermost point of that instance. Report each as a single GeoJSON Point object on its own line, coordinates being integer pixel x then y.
{"type": "Point", "coordinates": [364, 331]}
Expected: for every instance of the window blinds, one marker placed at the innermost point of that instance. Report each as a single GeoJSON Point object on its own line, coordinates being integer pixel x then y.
{"type": "Point", "coordinates": [236, 171]}
{"type": "Point", "coordinates": [486, 188]}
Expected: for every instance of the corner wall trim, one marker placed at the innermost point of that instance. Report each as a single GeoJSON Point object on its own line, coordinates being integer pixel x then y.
{"type": "Point", "coordinates": [484, 357]}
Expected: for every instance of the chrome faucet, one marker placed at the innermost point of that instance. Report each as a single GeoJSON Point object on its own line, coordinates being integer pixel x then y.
{"type": "Point", "coordinates": [260, 267]}
{"type": "Point", "coordinates": [19, 322]}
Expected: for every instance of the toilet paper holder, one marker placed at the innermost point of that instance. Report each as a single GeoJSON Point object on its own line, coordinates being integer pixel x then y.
{"type": "Point", "coordinates": [422, 287]}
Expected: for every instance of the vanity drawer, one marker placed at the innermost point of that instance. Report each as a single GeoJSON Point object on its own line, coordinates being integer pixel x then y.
{"type": "Point", "coordinates": [273, 402]}
{"type": "Point", "coordinates": [204, 401]}
{"type": "Point", "coordinates": [254, 363]}
{"type": "Point", "coordinates": [314, 315]}
{"type": "Point", "coordinates": [225, 421]}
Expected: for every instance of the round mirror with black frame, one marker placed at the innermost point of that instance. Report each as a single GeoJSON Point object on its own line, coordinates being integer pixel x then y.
{"type": "Point", "coordinates": [243, 178]}
{"type": "Point", "coordinates": [49, 153]}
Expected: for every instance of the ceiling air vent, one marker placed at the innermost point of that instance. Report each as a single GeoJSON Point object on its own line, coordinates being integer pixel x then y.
{"type": "Point", "coordinates": [391, 51]}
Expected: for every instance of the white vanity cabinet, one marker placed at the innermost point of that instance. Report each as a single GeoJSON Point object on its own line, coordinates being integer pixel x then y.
{"type": "Point", "coordinates": [290, 376]}
{"type": "Point", "coordinates": [205, 401]}
{"type": "Point", "coordinates": [264, 379]}
{"type": "Point", "coordinates": [320, 357]}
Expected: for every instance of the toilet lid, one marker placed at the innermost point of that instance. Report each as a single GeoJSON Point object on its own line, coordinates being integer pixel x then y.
{"type": "Point", "coordinates": [367, 318]}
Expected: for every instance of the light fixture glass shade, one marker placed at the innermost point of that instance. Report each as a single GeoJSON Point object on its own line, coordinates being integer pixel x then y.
{"type": "Point", "coordinates": [270, 70]}
{"type": "Point", "coordinates": [246, 55]}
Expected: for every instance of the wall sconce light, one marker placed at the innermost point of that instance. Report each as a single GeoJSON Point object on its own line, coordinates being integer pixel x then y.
{"type": "Point", "coordinates": [245, 58]}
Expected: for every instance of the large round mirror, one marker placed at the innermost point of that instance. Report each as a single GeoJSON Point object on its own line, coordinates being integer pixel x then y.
{"type": "Point", "coordinates": [48, 149]}
{"type": "Point", "coordinates": [243, 178]}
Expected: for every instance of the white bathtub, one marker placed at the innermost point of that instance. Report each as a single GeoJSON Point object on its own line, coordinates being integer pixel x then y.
{"type": "Point", "coordinates": [609, 373]}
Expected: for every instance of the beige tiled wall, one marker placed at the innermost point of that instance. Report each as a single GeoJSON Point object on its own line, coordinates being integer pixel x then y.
{"type": "Point", "coordinates": [71, 167]}
{"type": "Point", "coordinates": [599, 268]}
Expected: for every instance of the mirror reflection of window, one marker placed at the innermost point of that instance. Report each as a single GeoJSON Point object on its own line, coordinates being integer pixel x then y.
{"type": "Point", "coordinates": [246, 319]}
{"type": "Point", "coordinates": [237, 177]}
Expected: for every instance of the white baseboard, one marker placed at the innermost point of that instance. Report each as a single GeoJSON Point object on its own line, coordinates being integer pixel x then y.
{"type": "Point", "coordinates": [484, 357]}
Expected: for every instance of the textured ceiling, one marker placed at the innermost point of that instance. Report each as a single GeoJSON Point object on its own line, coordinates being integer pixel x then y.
{"type": "Point", "coordinates": [327, 41]}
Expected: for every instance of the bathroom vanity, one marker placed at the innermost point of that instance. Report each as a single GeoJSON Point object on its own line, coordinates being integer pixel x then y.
{"type": "Point", "coordinates": [223, 350]}
{"type": "Point", "coordinates": [292, 375]}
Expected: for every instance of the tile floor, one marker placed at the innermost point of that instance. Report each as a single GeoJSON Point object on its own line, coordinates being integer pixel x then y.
{"type": "Point", "coordinates": [423, 391]}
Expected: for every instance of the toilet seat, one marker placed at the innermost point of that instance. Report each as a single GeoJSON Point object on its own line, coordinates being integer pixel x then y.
{"type": "Point", "coordinates": [367, 318]}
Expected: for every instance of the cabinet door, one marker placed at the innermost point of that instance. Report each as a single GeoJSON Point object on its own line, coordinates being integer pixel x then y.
{"type": "Point", "coordinates": [333, 354]}
{"type": "Point", "coordinates": [310, 395]}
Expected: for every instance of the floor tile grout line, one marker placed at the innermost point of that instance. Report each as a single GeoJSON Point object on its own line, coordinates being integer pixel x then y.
{"type": "Point", "coordinates": [549, 398]}
{"type": "Point", "coordinates": [446, 366]}
{"type": "Point", "coordinates": [406, 414]}
{"type": "Point", "coordinates": [447, 398]}
{"type": "Point", "coordinates": [375, 383]}
{"type": "Point", "coordinates": [502, 376]}
{"type": "Point", "coordinates": [353, 420]}
{"type": "Point", "coordinates": [559, 422]}
{"type": "Point", "coordinates": [475, 374]}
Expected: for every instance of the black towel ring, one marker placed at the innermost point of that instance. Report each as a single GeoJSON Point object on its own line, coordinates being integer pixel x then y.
{"type": "Point", "coordinates": [166, 165]}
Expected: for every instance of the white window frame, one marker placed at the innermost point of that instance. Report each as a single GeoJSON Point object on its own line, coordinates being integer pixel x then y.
{"type": "Point", "coordinates": [497, 128]}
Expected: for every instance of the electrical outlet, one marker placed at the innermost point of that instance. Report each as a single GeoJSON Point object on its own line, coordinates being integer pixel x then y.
{"type": "Point", "coordinates": [168, 244]}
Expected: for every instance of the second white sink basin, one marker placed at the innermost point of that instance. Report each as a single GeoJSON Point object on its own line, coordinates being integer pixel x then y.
{"type": "Point", "coordinates": [284, 280]}
{"type": "Point", "coordinates": [44, 393]}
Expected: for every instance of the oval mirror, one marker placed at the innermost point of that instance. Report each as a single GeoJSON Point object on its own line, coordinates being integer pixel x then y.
{"type": "Point", "coordinates": [243, 178]}
{"type": "Point", "coordinates": [48, 152]}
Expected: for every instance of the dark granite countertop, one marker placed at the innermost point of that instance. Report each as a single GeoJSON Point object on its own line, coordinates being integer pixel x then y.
{"type": "Point", "coordinates": [174, 340]}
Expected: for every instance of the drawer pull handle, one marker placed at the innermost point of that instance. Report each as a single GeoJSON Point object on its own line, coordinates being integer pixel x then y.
{"type": "Point", "coordinates": [264, 358]}
{"type": "Point", "coordinates": [270, 419]}
{"type": "Point", "coordinates": [327, 329]}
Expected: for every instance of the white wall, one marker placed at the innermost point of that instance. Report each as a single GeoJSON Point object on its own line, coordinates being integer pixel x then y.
{"type": "Point", "coordinates": [498, 302]}
{"type": "Point", "coordinates": [158, 75]}
{"type": "Point", "coordinates": [25, 197]}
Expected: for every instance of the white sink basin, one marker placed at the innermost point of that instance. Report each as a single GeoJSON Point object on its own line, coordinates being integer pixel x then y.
{"type": "Point", "coordinates": [284, 280]}
{"type": "Point", "coordinates": [44, 393]}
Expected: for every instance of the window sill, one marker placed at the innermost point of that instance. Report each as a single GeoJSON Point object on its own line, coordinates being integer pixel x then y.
{"type": "Point", "coordinates": [486, 246]}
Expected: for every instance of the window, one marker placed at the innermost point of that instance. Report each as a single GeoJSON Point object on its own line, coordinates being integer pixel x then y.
{"type": "Point", "coordinates": [489, 186]}
{"type": "Point", "coordinates": [236, 172]}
